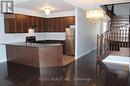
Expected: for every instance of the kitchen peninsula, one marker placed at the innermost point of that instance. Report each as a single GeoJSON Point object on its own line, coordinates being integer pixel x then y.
{"type": "Point", "coordinates": [35, 55]}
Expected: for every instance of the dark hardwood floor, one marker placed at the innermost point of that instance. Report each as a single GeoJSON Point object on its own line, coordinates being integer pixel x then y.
{"type": "Point", "coordinates": [82, 72]}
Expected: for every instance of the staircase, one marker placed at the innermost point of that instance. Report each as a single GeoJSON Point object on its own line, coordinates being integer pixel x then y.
{"type": "Point", "coordinates": [122, 22]}
{"type": "Point", "coordinates": [109, 9]}
{"type": "Point", "coordinates": [115, 39]}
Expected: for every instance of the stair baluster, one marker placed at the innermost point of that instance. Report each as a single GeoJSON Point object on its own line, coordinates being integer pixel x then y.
{"type": "Point", "coordinates": [112, 40]}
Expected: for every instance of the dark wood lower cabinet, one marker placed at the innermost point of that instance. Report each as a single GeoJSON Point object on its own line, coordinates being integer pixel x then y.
{"type": "Point", "coordinates": [35, 56]}
{"type": "Point", "coordinates": [21, 23]}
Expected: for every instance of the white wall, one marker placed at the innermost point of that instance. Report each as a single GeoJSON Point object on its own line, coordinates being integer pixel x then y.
{"type": "Point", "coordinates": [102, 22]}
{"type": "Point", "coordinates": [85, 33]}
{"type": "Point", "coordinates": [122, 9]}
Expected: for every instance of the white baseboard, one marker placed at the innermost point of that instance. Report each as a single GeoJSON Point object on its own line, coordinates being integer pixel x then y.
{"type": "Point", "coordinates": [84, 54]}
{"type": "Point", "coordinates": [2, 61]}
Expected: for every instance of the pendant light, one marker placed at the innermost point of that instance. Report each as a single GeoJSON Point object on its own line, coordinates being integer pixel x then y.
{"type": "Point", "coordinates": [47, 11]}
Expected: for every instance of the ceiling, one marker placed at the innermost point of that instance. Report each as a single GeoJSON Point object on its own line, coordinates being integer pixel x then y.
{"type": "Point", "coordinates": [63, 5]}
{"type": "Point", "coordinates": [39, 5]}
{"type": "Point", "coordinates": [92, 4]}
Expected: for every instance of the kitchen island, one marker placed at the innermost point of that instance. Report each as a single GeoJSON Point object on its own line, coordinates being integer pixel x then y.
{"type": "Point", "coordinates": [35, 55]}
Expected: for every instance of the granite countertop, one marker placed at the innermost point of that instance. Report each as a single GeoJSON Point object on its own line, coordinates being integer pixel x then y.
{"type": "Point", "coordinates": [35, 44]}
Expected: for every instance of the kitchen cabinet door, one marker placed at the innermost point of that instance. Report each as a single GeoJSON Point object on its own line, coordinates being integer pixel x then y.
{"type": "Point", "coordinates": [69, 21]}
{"type": "Point", "coordinates": [25, 24]}
{"type": "Point", "coordinates": [49, 25]}
{"type": "Point", "coordinates": [42, 25]}
{"type": "Point", "coordinates": [59, 25]}
{"type": "Point", "coordinates": [10, 23]}
{"type": "Point", "coordinates": [55, 24]}
{"type": "Point", "coordinates": [35, 22]}
{"type": "Point", "coordinates": [19, 23]}
{"type": "Point", "coordinates": [30, 21]}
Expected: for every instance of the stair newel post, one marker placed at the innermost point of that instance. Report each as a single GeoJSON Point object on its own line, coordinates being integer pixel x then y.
{"type": "Point", "coordinates": [116, 46]}
{"type": "Point", "coordinates": [126, 41]}
{"type": "Point", "coordinates": [129, 34]}
{"type": "Point", "coordinates": [101, 45]}
{"type": "Point", "coordinates": [120, 39]}
{"type": "Point", "coordinates": [106, 42]}
{"type": "Point", "coordinates": [98, 50]}
{"type": "Point", "coordinates": [114, 41]}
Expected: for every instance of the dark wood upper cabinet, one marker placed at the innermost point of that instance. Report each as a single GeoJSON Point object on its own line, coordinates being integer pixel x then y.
{"type": "Point", "coordinates": [35, 22]}
{"type": "Point", "coordinates": [59, 24]}
{"type": "Point", "coordinates": [40, 25]}
{"type": "Point", "coordinates": [49, 25]}
{"type": "Point", "coordinates": [25, 24]}
{"type": "Point", "coordinates": [44, 29]}
{"type": "Point", "coordinates": [29, 18]}
{"type": "Point", "coordinates": [10, 23]}
{"type": "Point", "coordinates": [21, 23]}
{"type": "Point", "coordinates": [69, 21]}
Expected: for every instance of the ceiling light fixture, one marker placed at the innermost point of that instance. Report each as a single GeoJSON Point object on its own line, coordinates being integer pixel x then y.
{"type": "Point", "coordinates": [94, 15]}
{"type": "Point", "coordinates": [47, 11]}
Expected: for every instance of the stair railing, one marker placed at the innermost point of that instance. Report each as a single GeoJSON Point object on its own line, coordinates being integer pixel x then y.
{"type": "Point", "coordinates": [112, 40]}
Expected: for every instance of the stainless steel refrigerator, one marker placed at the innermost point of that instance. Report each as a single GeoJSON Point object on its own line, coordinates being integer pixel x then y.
{"type": "Point", "coordinates": [70, 41]}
